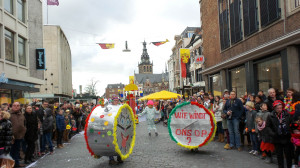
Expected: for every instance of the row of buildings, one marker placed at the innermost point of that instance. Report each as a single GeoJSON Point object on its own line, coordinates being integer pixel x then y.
{"type": "Point", "coordinates": [35, 59]}
{"type": "Point", "coordinates": [247, 45]}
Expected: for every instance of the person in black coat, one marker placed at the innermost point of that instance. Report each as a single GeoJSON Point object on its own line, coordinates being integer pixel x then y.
{"type": "Point", "coordinates": [279, 123]}
{"type": "Point", "coordinates": [272, 98]}
{"type": "Point", "coordinates": [6, 134]}
{"type": "Point", "coordinates": [31, 134]}
{"type": "Point", "coordinates": [47, 126]}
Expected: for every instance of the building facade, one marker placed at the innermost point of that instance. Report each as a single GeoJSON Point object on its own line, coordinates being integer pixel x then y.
{"type": "Point", "coordinates": [251, 45]}
{"type": "Point", "coordinates": [22, 33]}
{"type": "Point", "coordinates": [58, 73]}
{"type": "Point", "coordinates": [182, 41]}
{"type": "Point", "coordinates": [146, 81]}
{"type": "Point", "coordinates": [113, 90]}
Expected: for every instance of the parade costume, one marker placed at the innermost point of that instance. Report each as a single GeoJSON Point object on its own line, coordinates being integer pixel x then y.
{"type": "Point", "coordinates": [150, 112]}
{"type": "Point", "coordinates": [110, 131]}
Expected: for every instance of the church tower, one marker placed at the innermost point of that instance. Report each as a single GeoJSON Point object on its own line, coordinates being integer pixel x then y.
{"type": "Point", "coordinates": [145, 67]}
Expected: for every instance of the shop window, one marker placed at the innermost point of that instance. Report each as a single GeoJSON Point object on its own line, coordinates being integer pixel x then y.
{"type": "Point", "coordinates": [216, 85]}
{"type": "Point", "coordinates": [21, 10]}
{"type": "Point", "coordinates": [269, 75]}
{"type": "Point", "coordinates": [9, 46]}
{"type": "Point", "coordinates": [235, 21]}
{"type": "Point", "coordinates": [8, 6]}
{"type": "Point", "coordinates": [224, 24]}
{"type": "Point", "coordinates": [250, 17]}
{"type": "Point", "coordinates": [238, 80]}
{"type": "Point", "coordinates": [21, 51]}
{"type": "Point", "coordinates": [269, 11]}
{"type": "Point", "coordinates": [5, 96]}
{"type": "Point", "coordinates": [19, 96]}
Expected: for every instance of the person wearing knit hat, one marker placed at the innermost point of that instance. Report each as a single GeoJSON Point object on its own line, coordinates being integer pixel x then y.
{"type": "Point", "coordinates": [278, 122]}
{"type": "Point", "coordinates": [150, 112]}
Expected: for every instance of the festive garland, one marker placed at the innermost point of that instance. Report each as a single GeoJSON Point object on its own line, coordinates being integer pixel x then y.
{"type": "Point", "coordinates": [215, 129]}
{"type": "Point", "coordinates": [294, 105]}
{"type": "Point", "coordinates": [212, 122]}
{"type": "Point", "coordinates": [115, 142]}
{"type": "Point", "coordinates": [85, 133]}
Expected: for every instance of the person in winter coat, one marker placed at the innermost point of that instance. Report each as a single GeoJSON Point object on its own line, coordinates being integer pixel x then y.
{"type": "Point", "coordinates": [271, 98]}
{"type": "Point", "coordinates": [234, 109]}
{"type": "Point", "coordinates": [31, 134]}
{"type": "Point", "coordinates": [150, 111]}
{"type": "Point", "coordinates": [263, 112]}
{"type": "Point", "coordinates": [279, 122]}
{"type": "Point", "coordinates": [47, 129]}
{"type": "Point", "coordinates": [61, 127]}
{"type": "Point", "coordinates": [251, 128]}
{"type": "Point", "coordinates": [6, 135]}
{"type": "Point", "coordinates": [295, 127]}
{"type": "Point", "coordinates": [265, 135]}
{"type": "Point", "coordinates": [18, 121]}
{"type": "Point", "coordinates": [218, 110]}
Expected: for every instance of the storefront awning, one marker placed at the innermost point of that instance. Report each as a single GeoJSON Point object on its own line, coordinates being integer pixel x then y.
{"type": "Point", "coordinates": [17, 87]}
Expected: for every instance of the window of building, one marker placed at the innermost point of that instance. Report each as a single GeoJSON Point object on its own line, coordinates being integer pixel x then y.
{"type": "Point", "coordinates": [144, 68]}
{"type": "Point", "coordinates": [250, 17]}
{"type": "Point", "coordinates": [269, 75]}
{"type": "Point", "coordinates": [190, 35]}
{"type": "Point", "coordinates": [8, 6]}
{"type": "Point", "coordinates": [224, 24]}
{"type": "Point", "coordinates": [216, 85]}
{"type": "Point", "coordinates": [297, 3]}
{"type": "Point", "coordinates": [21, 51]}
{"type": "Point", "coordinates": [235, 21]}
{"type": "Point", "coordinates": [199, 75]}
{"type": "Point", "coordinates": [150, 68]}
{"type": "Point", "coordinates": [238, 80]}
{"type": "Point", "coordinates": [269, 11]}
{"type": "Point", "coordinates": [9, 46]}
{"type": "Point", "coordinates": [21, 10]}
{"type": "Point", "coordinates": [147, 68]}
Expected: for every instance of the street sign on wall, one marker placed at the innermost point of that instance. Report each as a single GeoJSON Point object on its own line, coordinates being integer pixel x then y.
{"type": "Point", "coordinates": [40, 59]}
{"type": "Point", "coordinates": [199, 59]}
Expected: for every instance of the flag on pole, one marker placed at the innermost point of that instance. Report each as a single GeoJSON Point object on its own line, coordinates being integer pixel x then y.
{"type": "Point", "coordinates": [52, 2]}
{"type": "Point", "coordinates": [160, 42]}
{"type": "Point", "coordinates": [107, 45]}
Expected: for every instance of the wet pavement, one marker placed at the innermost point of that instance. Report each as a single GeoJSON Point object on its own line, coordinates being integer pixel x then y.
{"type": "Point", "coordinates": [152, 152]}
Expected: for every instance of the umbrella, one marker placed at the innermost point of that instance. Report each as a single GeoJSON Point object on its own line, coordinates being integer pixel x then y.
{"type": "Point", "coordinates": [165, 95]}
{"type": "Point", "coordinates": [131, 87]}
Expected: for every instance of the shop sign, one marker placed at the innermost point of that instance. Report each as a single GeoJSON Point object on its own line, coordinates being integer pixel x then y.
{"type": "Point", "coordinates": [199, 59]}
{"type": "Point", "coordinates": [40, 59]}
{"type": "Point", "coordinates": [3, 79]}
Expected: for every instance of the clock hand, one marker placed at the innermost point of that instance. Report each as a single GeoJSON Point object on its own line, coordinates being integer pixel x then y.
{"type": "Point", "coordinates": [191, 124]}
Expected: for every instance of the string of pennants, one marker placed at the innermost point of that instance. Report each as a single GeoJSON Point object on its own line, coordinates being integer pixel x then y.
{"type": "Point", "coordinates": [112, 45]}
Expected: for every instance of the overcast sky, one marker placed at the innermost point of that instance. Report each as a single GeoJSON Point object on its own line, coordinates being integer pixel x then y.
{"type": "Point", "coordinates": [87, 22]}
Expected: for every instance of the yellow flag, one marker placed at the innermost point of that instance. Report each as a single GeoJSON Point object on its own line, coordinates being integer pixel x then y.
{"type": "Point", "coordinates": [131, 79]}
{"type": "Point", "coordinates": [185, 55]}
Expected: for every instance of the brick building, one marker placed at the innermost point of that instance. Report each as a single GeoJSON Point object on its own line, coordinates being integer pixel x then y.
{"type": "Point", "coordinates": [113, 89]}
{"type": "Point", "coordinates": [251, 45]}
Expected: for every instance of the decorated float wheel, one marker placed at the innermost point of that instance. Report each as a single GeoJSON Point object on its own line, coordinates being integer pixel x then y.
{"type": "Point", "coordinates": [110, 131]}
{"type": "Point", "coordinates": [191, 125]}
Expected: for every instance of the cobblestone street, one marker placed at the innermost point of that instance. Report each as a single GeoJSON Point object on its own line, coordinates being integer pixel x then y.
{"type": "Point", "coordinates": [152, 152]}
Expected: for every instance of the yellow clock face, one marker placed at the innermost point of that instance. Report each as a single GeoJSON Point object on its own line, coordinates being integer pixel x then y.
{"type": "Point", "coordinates": [124, 131]}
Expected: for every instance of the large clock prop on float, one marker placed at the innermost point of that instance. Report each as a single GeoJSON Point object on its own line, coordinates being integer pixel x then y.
{"type": "Point", "coordinates": [110, 131]}
{"type": "Point", "coordinates": [191, 125]}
